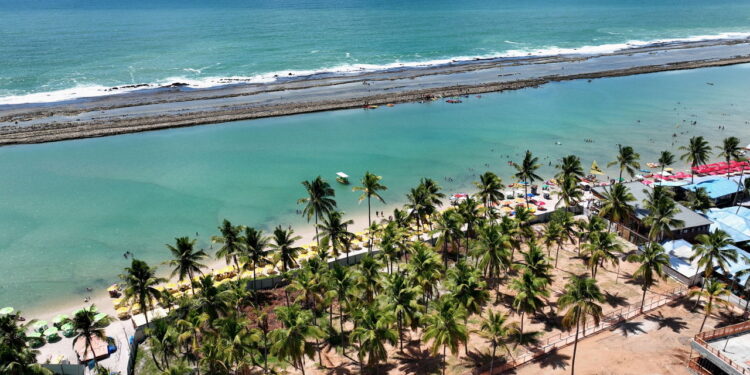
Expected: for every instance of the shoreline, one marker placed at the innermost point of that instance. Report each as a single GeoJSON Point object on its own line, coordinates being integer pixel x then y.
{"type": "Point", "coordinates": [176, 107]}
{"type": "Point", "coordinates": [100, 297]}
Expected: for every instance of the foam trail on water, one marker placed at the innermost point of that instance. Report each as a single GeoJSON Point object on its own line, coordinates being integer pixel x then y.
{"type": "Point", "coordinates": [93, 90]}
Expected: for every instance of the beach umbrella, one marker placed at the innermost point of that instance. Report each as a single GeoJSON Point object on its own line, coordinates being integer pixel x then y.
{"type": "Point", "coordinates": [40, 325]}
{"type": "Point", "coordinates": [52, 331]}
{"type": "Point", "coordinates": [6, 310]}
{"type": "Point", "coordinates": [34, 335]}
{"type": "Point", "coordinates": [59, 319]}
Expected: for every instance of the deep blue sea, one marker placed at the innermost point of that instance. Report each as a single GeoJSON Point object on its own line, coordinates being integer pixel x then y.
{"type": "Point", "coordinates": [57, 49]}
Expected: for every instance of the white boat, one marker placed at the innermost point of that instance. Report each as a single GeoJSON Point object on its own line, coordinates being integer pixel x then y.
{"type": "Point", "coordinates": [342, 178]}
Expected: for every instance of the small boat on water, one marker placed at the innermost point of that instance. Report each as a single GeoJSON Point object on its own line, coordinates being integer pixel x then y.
{"type": "Point", "coordinates": [370, 107]}
{"type": "Point", "coordinates": [342, 178]}
{"type": "Point", "coordinates": [453, 101]}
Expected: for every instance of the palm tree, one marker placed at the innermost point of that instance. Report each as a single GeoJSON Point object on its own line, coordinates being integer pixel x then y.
{"type": "Point", "coordinates": [493, 251]}
{"type": "Point", "coordinates": [498, 331]}
{"type": "Point", "coordinates": [699, 200]}
{"type": "Point", "coordinates": [490, 186]}
{"type": "Point", "coordinates": [627, 160]}
{"type": "Point", "coordinates": [696, 153]}
{"type": "Point", "coordinates": [714, 292]}
{"type": "Point", "coordinates": [255, 252]}
{"type": "Point", "coordinates": [570, 192]}
{"type": "Point", "coordinates": [186, 260]}
{"type": "Point", "coordinates": [434, 195]}
{"type": "Point", "coordinates": [231, 248]}
{"type": "Point", "coordinates": [16, 357]}
{"type": "Point", "coordinates": [283, 244]}
{"type": "Point", "coordinates": [470, 215]}
{"type": "Point", "coordinates": [210, 300]}
{"type": "Point", "coordinates": [290, 342]}
{"type": "Point", "coordinates": [529, 292]}
{"type": "Point", "coordinates": [418, 205]}
{"type": "Point", "coordinates": [662, 210]}
{"type": "Point", "coordinates": [469, 291]}
{"type": "Point", "coordinates": [319, 201]}
{"type": "Point", "coordinates": [445, 327]}
{"type": "Point", "coordinates": [87, 327]}
{"type": "Point", "coordinates": [581, 299]}
{"type": "Point", "coordinates": [371, 187]}
{"type": "Point", "coordinates": [425, 269]}
{"type": "Point", "coordinates": [391, 244]}
{"type": "Point", "coordinates": [526, 173]}
{"type": "Point", "coordinates": [368, 278]}
{"type": "Point", "coordinates": [537, 264]}
{"type": "Point", "coordinates": [652, 259]}
{"type": "Point", "coordinates": [374, 328]}
{"type": "Point", "coordinates": [730, 150]}
{"type": "Point", "coordinates": [552, 236]}
{"type": "Point", "coordinates": [570, 167]}
{"type": "Point", "coordinates": [666, 159]}
{"type": "Point", "coordinates": [140, 283]}
{"type": "Point", "coordinates": [568, 226]}
{"type": "Point", "coordinates": [616, 205]}
{"type": "Point", "coordinates": [162, 339]}
{"type": "Point", "coordinates": [713, 251]}
{"type": "Point", "coordinates": [603, 247]}
{"type": "Point", "coordinates": [448, 228]}
{"type": "Point", "coordinates": [342, 285]}
{"type": "Point", "coordinates": [401, 298]}
{"type": "Point", "coordinates": [336, 230]}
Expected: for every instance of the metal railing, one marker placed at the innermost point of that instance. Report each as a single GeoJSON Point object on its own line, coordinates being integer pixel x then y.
{"type": "Point", "coordinates": [697, 368]}
{"type": "Point", "coordinates": [609, 320]}
{"type": "Point", "coordinates": [702, 338]}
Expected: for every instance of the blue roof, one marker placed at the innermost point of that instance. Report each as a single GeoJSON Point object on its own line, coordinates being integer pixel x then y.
{"type": "Point", "coordinates": [743, 261]}
{"type": "Point", "coordinates": [716, 187]}
{"type": "Point", "coordinates": [728, 220]}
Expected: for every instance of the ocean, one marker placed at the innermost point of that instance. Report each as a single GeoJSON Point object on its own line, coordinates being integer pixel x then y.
{"type": "Point", "coordinates": [63, 49]}
{"type": "Point", "coordinates": [69, 210]}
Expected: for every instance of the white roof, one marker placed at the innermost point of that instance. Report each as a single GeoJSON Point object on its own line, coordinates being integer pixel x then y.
{"type": "Point", "coordinates": [342, 174]}
{"type": "Point", "coordinates": [139, 319]}
{"type": "Point", "coordinates": [680, 252]}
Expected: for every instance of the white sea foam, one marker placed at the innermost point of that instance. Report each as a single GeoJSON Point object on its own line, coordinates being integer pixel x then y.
{"type": "Point", "coordinates": [84, 91]}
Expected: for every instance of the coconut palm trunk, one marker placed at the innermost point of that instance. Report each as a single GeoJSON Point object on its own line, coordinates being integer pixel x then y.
{"type": "Point", "coordinates": [492, 359]}
{"type": "Point", "coordinates": [575, 348]}
{"type": "Point", "coordinates": [705, 317]}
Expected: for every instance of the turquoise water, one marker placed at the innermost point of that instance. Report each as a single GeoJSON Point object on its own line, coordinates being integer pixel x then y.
{"type": "Point", "coordinates": [69, 210]}
{"type": "Point", "coordinates": [60, 49]}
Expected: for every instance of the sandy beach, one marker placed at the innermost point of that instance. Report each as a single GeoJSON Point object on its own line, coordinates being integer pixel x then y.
{"type": "Point", "coordinates": [178, 106]}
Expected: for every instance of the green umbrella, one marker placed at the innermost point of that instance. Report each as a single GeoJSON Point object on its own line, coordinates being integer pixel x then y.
{"type": "Point", "coordinates": [34, 335]}
{"type": "Point", "coordinates": [52, 331]}
{"type": "Point", "coordinates": [40, 325]}
{"type": "Point", "coordinates": [67, 327]}
{"type": "Point", "coordinates": [60, 318]}
{"type": "Point", "coordinates": [6, 310]}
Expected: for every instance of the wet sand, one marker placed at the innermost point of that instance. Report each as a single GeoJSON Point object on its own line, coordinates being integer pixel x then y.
{"type": "Point", "coordinates": [178, 106]}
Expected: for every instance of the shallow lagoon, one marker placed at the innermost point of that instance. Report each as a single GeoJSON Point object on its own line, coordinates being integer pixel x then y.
{"type": "Point", "coordinates": [70, 210]}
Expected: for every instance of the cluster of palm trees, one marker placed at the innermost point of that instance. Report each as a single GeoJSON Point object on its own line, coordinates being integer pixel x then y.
{"type": "Point", "coordinates": [434, 270]}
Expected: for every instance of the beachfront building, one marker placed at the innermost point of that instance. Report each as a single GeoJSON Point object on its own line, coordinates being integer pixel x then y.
{"type": "Point", "coordinates": [635, 231]}
{"type": "Point", "coordinates": [733, 220]}
{"type": "Point", "coordinates": [724, 350]}
{"type": "Point", "coordinates": [687, 271]}
{"type": "Point", "coordinates": [722, 191]}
